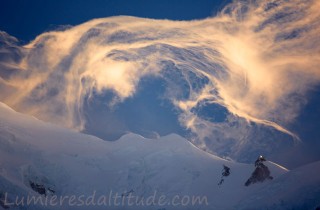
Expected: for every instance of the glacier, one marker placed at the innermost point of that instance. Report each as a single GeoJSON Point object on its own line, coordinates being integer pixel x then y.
{"type": "Point", "coordinates": [154, 110]}
{"type": "Point", "coordinates": [72, 163]}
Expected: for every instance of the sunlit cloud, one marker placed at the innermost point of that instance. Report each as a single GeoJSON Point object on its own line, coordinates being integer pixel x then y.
{"type": "Point", "coordinates": [257, 59]}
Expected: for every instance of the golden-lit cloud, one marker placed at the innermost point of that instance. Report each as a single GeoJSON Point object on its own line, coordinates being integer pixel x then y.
{"type": "Point", "coordinates": [259, 59]}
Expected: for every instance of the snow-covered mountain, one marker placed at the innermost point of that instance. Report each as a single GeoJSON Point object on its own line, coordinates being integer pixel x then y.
{"type": "Point", "coordinates": [41, 158]}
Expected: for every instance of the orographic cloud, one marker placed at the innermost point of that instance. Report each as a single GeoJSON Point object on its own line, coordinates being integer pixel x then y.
{"type": "Point", "coordinates": [257, 59]}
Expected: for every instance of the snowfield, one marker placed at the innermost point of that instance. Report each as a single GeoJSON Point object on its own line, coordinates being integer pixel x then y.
{"type": "Point", "coordinates": [49, 162]}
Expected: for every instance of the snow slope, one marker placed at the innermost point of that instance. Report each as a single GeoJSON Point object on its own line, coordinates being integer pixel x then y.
{"type": "Point", "coordinates": [72, 163]}
{"type": "Point", "coordinates": [298, 189]}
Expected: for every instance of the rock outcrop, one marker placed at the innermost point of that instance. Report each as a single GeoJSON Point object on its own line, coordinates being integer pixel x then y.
{"type": "Point", "coordinates": [260, 174]}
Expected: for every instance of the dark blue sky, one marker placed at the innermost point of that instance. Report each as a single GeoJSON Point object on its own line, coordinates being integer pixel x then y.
{"type": "Point", "coordinates": [27, 19]}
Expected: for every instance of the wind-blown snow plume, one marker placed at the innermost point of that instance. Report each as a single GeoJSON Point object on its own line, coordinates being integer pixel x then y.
{"type": "Point", "coordinates": [256, 58]}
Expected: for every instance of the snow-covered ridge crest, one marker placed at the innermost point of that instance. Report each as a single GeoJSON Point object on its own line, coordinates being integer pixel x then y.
{"type": "Point", "coordinates": [38, 157]}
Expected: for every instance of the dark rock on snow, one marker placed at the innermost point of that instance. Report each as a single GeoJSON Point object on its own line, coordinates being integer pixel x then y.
{"type": "Point", "coordinates": [260, 174]}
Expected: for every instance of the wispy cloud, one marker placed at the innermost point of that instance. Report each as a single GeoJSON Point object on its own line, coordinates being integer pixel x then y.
{"type": "Point", "coordinates": [256, 58]}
